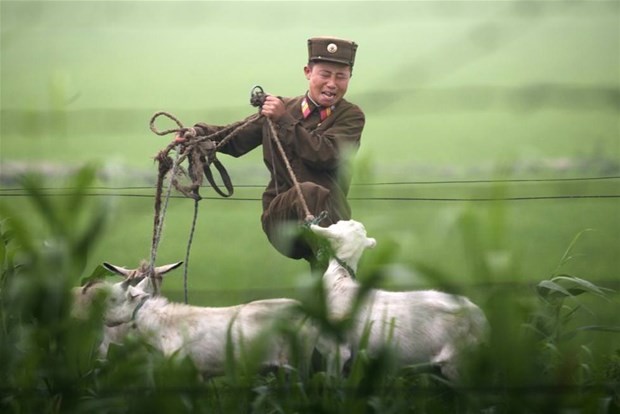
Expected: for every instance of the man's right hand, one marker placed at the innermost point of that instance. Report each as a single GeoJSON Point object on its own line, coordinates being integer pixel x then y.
{"type": "Point", "coordinates": [273, 107]}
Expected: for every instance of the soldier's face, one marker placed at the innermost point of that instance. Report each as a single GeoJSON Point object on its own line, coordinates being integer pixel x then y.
{"type": "Point", "coordinates": [328, 82]}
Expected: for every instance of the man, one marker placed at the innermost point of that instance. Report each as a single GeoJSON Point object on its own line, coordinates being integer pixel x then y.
{"type": "Point", "coordinates": [319, 132]}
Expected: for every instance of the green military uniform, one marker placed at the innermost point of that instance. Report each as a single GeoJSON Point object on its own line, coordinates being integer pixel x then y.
{"type": "Point", "coordinates": [318, 151]}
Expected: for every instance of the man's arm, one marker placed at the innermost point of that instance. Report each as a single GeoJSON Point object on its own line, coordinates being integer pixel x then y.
{"type": "Point", "coordinates": [243, 142]}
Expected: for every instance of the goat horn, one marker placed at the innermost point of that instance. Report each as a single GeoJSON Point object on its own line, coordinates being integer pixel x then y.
{"type": "Point", "coordinates": [117, 269]}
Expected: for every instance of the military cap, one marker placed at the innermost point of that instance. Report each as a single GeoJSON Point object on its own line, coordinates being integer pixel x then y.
{"type": "Point", "coordinates": [331, 49]}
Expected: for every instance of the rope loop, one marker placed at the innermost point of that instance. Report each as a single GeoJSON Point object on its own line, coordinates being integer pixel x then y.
{"type": "Point", "coordinates": [201, 152]}
{"type": "Point", "coordinates": [168, 131]}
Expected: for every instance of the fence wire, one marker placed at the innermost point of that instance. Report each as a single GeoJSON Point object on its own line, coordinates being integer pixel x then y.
{"type": "Point", "coordinates": [134, 191]}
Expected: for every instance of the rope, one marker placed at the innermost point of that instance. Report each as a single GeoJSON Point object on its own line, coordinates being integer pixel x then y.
{"type": "Point", "coordinates": [201, 151]}
{"type": "Point", "coordinates": [163, 159]}
{"type": "Point", "coordinates": [159, 215]}
{"type": "Point", "coordinates": [168, 131]}
{"type": "Point", "coordinates": [189, 243]}
{"type": "Point", "coordinates": [302, 200]}
{"type": "Point", "coordinates": [257, 98]}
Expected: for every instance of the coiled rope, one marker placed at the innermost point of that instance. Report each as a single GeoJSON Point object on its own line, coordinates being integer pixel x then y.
{"type": "Point", "coordinates": [200, 157]}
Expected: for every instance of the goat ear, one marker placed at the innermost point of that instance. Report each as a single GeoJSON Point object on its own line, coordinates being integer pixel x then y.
{"type": "Point", "coordinates": [133, 292]}
{"type": "Point", "coordinates": [116, 269]}
{"type": "Point", "coordinates": [89, 284]}
{"type": "Point", "coordinates": [162, 270]}
{"type": "Point", "coordinates": [125, 284]}
{"type": "Point", "coordinates": [371, 242]}
{"type": "Point", "coordinates": [144, 285]}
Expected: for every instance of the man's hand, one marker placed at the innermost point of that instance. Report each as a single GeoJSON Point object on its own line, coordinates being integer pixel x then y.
{"type": "Point", "coordinates": [184, 134]}
{"type": "Point", "coordinates": [179, 138]}
{"type": "Point", "coordinates": [273, 107]}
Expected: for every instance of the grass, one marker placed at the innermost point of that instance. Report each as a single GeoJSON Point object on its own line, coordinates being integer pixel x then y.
{"type": "Point", "coordinates": [229, 241]}
{"type": "Point", "coordinates": [554, 343]}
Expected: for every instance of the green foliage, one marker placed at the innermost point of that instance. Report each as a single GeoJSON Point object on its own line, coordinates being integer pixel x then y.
{"type": "Point", "coordinates": [545, 353]}
{"type": "Point", "coordinates": [44, 356]}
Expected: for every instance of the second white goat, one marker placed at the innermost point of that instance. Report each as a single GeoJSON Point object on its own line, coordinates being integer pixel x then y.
{"type": "Point", "coordinates": [207, 335]}
{"type": "Point", "coordinates": [421, 327]}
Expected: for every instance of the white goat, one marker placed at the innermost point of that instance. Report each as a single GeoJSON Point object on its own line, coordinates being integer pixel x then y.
{"type": "Point", "coordinates": [207, 334]}
{"type": "Point", "coordinates": [421, 327]}
{"type": "Point", "coordinates": [84, 296]}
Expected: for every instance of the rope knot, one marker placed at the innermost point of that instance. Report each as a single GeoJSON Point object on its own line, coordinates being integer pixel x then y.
{"type": "Point", "coordinates": [208, 148]}
{"type": "Point", "coordinates": [190, 132]}
{"type": "Point", "coordinates": [310, 219]}
{"type": "Point", "coordinates": [164, 161]}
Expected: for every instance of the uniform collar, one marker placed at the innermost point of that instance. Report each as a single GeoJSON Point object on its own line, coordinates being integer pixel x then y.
{"type": "Point", "coordinates": [308, 106]}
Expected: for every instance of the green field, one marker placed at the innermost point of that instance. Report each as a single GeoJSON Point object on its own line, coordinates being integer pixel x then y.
{"type": "Point", "coordinates": [468, 91]}
{"type": "Point", "coordinates": [492, 137]}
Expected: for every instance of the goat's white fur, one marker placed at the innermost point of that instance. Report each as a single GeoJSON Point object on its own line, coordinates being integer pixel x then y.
{"type": "Point", "coordinates": [421, 327]}
{"type": "Point", "coordinates": [203, 333]}
{"type": "Point", "coordinates": [84, 296]}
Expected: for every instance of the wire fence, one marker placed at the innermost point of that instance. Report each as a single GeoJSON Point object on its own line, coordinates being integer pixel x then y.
{"type": "Point", "coordinates": [135, 191]}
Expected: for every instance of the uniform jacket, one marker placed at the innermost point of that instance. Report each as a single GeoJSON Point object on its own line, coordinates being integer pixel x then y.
{"type": "Point", "coordinates": [317, 151]}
